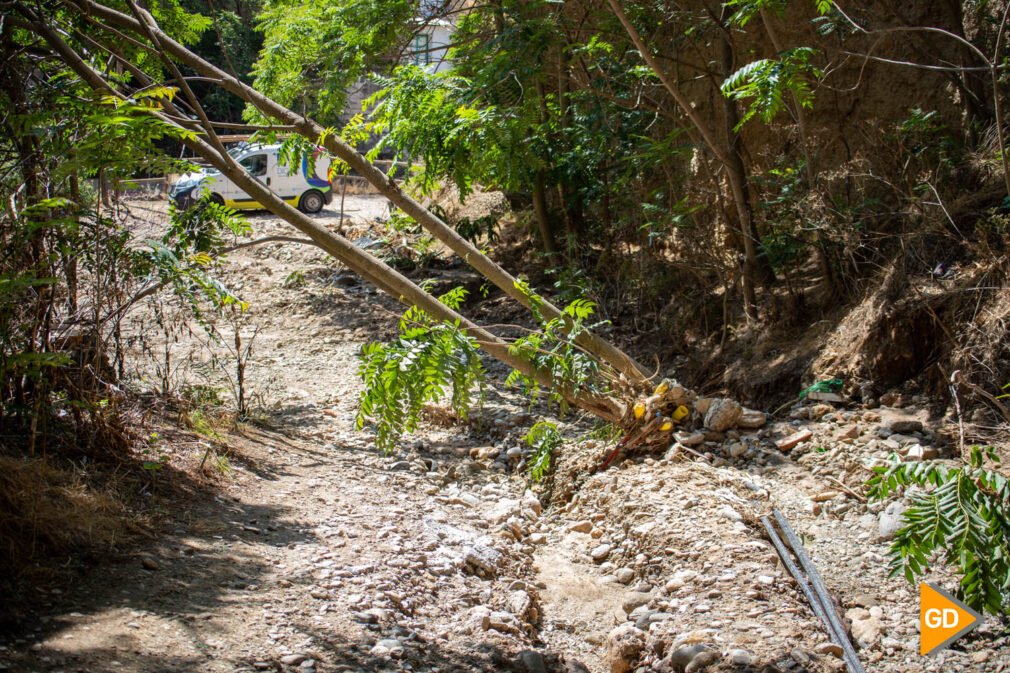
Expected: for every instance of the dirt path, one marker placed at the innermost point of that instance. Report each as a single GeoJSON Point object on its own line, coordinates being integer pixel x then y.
{"type": "Point", "coordinates": [320, 555]}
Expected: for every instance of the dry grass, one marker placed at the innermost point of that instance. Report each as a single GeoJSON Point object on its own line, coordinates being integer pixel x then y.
{"type": "Point", "coordinates": [49, 512]}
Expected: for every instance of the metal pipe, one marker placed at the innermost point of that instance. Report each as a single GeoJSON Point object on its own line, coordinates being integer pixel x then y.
{"type": "Point", "coordinates": [787, 560]}
{"type": "Point", "coordinates": [822, 592]}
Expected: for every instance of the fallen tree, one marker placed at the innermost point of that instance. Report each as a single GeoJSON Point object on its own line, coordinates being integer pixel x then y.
{"type": "Point", "coordinates": [612, 386]}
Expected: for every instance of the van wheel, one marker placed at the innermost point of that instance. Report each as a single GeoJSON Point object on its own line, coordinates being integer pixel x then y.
{"type": "Point", "coordinates": [311, 202]}
{"type": "Point", "coordinates": [217, 198]}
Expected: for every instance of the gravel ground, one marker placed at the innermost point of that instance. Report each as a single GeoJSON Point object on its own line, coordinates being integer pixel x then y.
{"type": "Point", "coordinates": [319, 554]}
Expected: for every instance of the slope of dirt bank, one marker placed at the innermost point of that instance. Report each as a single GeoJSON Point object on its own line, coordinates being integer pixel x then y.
{"type": "Point", "coordinates": [321, 555]}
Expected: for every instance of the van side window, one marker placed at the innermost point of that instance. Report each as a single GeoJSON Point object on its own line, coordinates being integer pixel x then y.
{"type": "Point", "coordinates": [256, 164]}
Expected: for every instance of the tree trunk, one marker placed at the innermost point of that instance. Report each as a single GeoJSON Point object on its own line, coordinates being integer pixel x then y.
{"type": "Point", "coordinates": [542, 215]}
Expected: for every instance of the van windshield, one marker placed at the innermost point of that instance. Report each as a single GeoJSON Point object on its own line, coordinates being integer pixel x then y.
{"type": "Point", "coordinates": [232, 152]}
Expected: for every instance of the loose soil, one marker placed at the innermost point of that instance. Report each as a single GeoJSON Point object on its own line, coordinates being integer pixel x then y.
{"type": "Point", "coordinates": [312, 552]}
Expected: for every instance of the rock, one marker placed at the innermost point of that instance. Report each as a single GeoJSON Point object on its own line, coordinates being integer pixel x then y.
{"type": "Point", "coordinates": [703, 404]}
{"type": "Point", "coordinates": [918, 452]}
{"type": "Point", "coordinates": [400, 466]}
{"type": "Point", "coordinates": [737, 449]}
{"type": "Point", "coordinates": [793, 440]}
{"type": "Point", "coordinates": [740, 657]}
{"type": "Point", "coordinates": [866, 625]}
{"type": "Point", "coordinates": [624, 644]}
{"type": "Point", "coordinates": [532, 502]}
{"type": "Point", "coordinates": [679, 659]}
{"type": "Point", "coordinates": [850, 432]}
{"type": "Point", "coordinates": [819, 410]}
{"type": "Point", "coordinates": [690, 439]}
{"type": "Point", "coordinates": [390, 647]}
{"type": "Point", "coordinates": [600, 553]}
{"type": "Point", "coordinates": [502, 510]}
{"type": "Point", "coordinates": [890, 520]}
{"type": "Point", "coordinates": [727, 512]}
{"type": "Point", "coordinates": [723, 414]}
{"type": "Point", "coordinates": [581, 526]}
{"type": "Point", "coordinates": [479, 618]}
{"type": "Point", "coordinates": [532, 662]}
{"type": "Point", "coordinates": [980, 657]}
{"type": "Point", "coordinates": [829, 649]}
{"type": "Point", "coordinates": [514, 455]}
{"type": "Point", "coordinates": [906, 427]}
{"type": "Point", "coordinates": [752, 420]}
{"type": "Point", "coordinates": [293, 659]}
{"type": "Point", "coordinates": [634, 601]}
{"type": "Point", "coordinates": [519, 603]}
{"type": "Point", "coordinates": [702, 661]}
{"type": "Point", "coordinates": [148, 563]}
{"type": "Point", "coordinates": [624, 575]}
{"type": "Point", "coordinates": [482, 560]}
{"type": "Point", "coordinates": [890, 399]}
{"type": "Point", "coordinates": [505, 622]}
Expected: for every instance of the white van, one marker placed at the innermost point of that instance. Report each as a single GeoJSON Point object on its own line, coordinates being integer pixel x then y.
{"type": "Point", "coordinates": [303, 188]}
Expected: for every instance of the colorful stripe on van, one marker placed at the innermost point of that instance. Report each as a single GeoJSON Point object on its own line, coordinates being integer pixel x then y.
{"type": "Point", "coordinates": [309, 171]}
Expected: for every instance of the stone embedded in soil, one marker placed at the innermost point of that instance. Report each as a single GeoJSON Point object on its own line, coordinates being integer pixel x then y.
{"type": "Point", "coordinates": [906, 427]}
{"type": "Point", "coordinates": [722, 415]}
{"type": "Point", "coordinates": [624, 644]}
{"type": "Point", "coordinates": [829, 649]}
{"type": "Point", "coordinates": [387, 647]}
{"type": "Point", "coordinates": [624, 575]}
{"type": "Point", "coordinates": [482, 560]}
{"type": "Point", "coordinates": [293, 659]}
{"type": "Point", "coordinates": [600, 552]}
{"type": "Point", "coordinates": [740, 657]}
{"type": "Point", "coordinates": [679, 659]}
{"type": "Point", "coordinates": [690, 439]}
{"type": "Point", "coordinates": [149, 563]}
{"type": "Point", "coordinates": [703, 661]}
{"type": "Point", "coordinates": [890, 520]}
{"type": "Point", "coordinates": [866, 625]}
{"type": "Point", "coordinates": [634, 601]}
{"type": "Point", "coordinates": [505, 622]}
{"type": "Point", "coordinates": [581, 526]}
{"type": "Point", "coordinates": [532, 662]}
{"type": "Point", "coordinates": [793, 440]}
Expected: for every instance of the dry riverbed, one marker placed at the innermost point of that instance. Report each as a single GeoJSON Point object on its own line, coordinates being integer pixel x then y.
{"type": "Point", "coordinates": [319, 554]}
